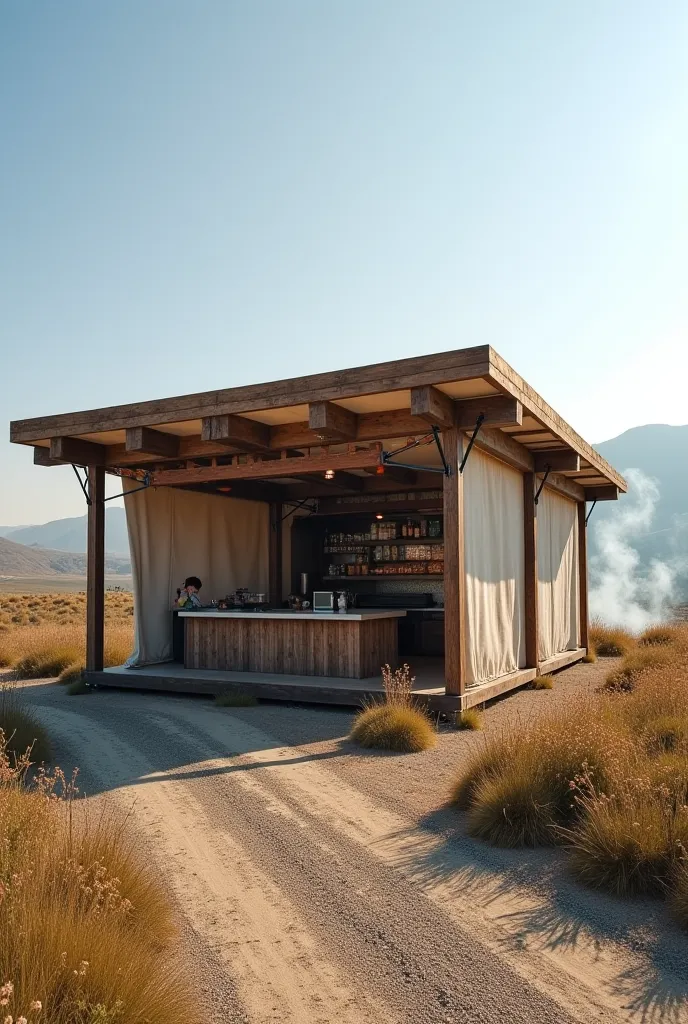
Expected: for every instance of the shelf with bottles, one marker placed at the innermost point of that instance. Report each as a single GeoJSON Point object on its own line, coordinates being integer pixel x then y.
{"type": "Point", "coordinates": [406, 528]}
{"type": "Point", "coordinates": [367, 577]}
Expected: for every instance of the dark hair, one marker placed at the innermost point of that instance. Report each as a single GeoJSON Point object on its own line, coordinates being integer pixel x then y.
{"type": "Point", "coordinates": [193, 581]}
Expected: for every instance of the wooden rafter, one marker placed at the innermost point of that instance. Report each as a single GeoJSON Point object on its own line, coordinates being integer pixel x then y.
{"type": "Point", "coordinates": [236, 432]}
{"type": "Point", "coordinates": [330, 422]}
{"type": "Point", "coordinates": [152, 442]}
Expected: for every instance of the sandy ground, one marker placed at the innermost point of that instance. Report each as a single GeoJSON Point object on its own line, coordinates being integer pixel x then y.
{"type": "Point", "coordinates": [319, 884]}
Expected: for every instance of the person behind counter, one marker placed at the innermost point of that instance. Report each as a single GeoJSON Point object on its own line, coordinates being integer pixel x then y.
{"type": "Point", "coordinates": [187, 596]}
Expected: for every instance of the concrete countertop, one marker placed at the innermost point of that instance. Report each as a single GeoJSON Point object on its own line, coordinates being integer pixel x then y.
{"type": "Point", "coordinates": [357, 615]}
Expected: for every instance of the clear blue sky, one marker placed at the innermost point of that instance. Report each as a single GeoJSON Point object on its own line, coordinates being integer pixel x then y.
{"type": "Point", "coordinates": [211, 193]}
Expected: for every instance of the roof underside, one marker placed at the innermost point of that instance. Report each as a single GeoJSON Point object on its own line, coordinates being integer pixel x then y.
{"type": "Point", "coordinates": [378, 403]}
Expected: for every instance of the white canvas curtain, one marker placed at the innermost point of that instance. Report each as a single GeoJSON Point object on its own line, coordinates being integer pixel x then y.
{"type": "Point", "coordinates": [174, 534]}
{"type": "Point", "coordinates": [495, 566]}
{"type": "Point", "coordinates": [558, 581]}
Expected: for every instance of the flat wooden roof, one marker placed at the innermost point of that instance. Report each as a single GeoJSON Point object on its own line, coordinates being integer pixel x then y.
{"type": "Point", "coordinates": [387, 400]}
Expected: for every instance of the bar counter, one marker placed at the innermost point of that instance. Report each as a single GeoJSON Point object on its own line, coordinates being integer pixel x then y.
{"type": "Point", "coordinates": [339, 644]}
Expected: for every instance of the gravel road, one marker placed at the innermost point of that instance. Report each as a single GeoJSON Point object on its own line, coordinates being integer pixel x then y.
{"type": "Point", "coordinates": [317, 884]}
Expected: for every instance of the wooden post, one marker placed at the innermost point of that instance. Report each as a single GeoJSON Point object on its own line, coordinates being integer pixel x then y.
{"type": "Point", "coordinates": [531, 570]}
{"type": "Point", "coordinates": [275, 554]}
{"type": "Point", "coordinates": [454, 568]}
{"type": "Point", "coordinates": [95, 570]}
{"type": "Point", "coordinates": [583, 576]}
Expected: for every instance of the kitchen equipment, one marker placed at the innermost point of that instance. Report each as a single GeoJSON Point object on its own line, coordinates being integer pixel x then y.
{"type": "Point", "coordinates": [305, 584]}
{"type": "Point", "coordinates": [323, 600]}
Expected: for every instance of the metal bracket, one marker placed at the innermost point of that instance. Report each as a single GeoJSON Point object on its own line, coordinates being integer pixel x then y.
{"type": "Point", "coordinates": [478, 425]}
{"type": "Point", "coordinates": [544, 481]}
{"type": "Point", "coordinates": [312, 509]}
{"type": "Point", "coordinates": [419, 441]}
{"type": "Point", "coordinates": [123, 494]}
{"type": "Point", "coordinates": [83, 484]}
{"type": "Point", "coordinates": [590, 512]}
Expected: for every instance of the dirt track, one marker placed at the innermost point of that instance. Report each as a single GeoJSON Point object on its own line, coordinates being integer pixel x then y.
{"type": "Point", "coordinates": [321, 885]}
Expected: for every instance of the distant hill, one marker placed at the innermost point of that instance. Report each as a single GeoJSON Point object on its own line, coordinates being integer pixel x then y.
{"type": "Point", "coordinates": [21, 560]}
{"type": "Point", "coordinates": [70, 534]}
{"type": "Point", "coordinates": [661, 453]}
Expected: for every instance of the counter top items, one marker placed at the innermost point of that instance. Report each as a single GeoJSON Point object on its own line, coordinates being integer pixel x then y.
{"type": "Point", "coordinates": [355, 615]}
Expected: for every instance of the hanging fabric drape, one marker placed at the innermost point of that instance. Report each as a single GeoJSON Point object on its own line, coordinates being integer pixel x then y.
{"type": "Point", "coordinates": [495, 568]}
{"type": "Point", "coordinates": [174, 534]}
{"type": "Point", "coordinates": [558, 578]}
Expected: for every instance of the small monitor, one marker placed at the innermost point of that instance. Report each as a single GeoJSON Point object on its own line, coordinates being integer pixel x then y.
{"type": "Point", "coordinates": [323, 600]}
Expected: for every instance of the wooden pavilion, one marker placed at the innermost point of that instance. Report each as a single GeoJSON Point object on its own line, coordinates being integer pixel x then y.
{"type": "Point", "coordinates": [457, 432]}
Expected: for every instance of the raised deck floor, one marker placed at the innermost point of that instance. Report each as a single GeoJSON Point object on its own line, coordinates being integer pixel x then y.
{"type": "Point", "coordinates": [172, 677]}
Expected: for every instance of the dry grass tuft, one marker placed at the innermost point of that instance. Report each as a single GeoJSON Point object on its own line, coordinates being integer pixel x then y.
{"type": "Point", "coordinates": [660, 636]}
{"type": "Point", "coordinates": [471, 718]}
{"type": "Point", "coordinates": [78, 686]}
{"type": "Point", "coordinates": [610, 641]}
{"type": "Point", "coordinates": [398, 685]}
{"type": "Point", "coordinates": [591, 657]}
{"type": "Point", "coordinates": [85, 925]}
{"type": "Point", "coordinates": [543, 683]}
{"type": "Point", "coordinates": [235, 700]}
{"type": "Point", "coordinates": [678, 900]}
{"type": "Point", "coordinates": [521, 786]}
{"type": "Point", "coordinates": [43, 634]}
{"type": "Point", "coordinates": [393, 727]}
{"type": "Point", "coordinates": [21, 731]}
{"type": "Point", "coordinates": [72, 673]}
{"type": "Point", "coordinates": [634, 665]}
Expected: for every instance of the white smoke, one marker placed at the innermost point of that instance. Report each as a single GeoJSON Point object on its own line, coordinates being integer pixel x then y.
{"type": "Point", "coordinates": [623, 592]}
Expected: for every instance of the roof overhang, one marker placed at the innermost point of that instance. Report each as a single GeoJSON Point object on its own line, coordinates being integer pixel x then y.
{"type": "Point", "coordinates": [372, 403]}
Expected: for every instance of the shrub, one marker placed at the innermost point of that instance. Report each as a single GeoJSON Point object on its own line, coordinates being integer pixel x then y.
{"type": "Point", "coordinates": [78, 686]}
{"type": "Point", "coordinates": [543, 683]}
{"type": "Point", "coordinates": [629, 843]}
{"type": "Point", "coordinates": [393, 727]}
{"type": "Point", "coordinates": [469, 719]}
{"type": "Point", "coordinates": [522, 785]}
{"type": "Point", "coordinates": [235, 700]}
{"type": "Point", "coordinates": [660, 636]}
{"type": "Point", "coordinates": [590, 658]}
{"type": "Point", "coordinates": [84, 923]}
{"type": "Point", "coordinates": [634, 665]}
{"type": "Point", "coordinates": [666, 734]}
{"type": "Point", "coordinates": [610, 641]}
{"type": "Point", "coordinates": [678, 900]}
{"type": "Point", "coordinates": [21, 730]}
{"type": "Point", "coordinates": [72, 673]}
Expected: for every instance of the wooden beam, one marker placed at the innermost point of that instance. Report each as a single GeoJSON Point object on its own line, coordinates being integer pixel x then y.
{"type": "Point", "coordinates": [565, 486]}
{"type": "Point", "coordinates": [501, 446]}
{"type": "Point", "coordinates": [330, 422]}
{"type": "Point", "coordinates": [275, 554]}
{"type": "Point", "coordinates": [560, 460]}
{"type": "Point", "coordinates": [503, 377]}
{"type": "Point", "coordinates": [236, 432]}
{"type": "Point", "coordinates": [95, 570]}
{"type": "Point", "coordinates": [266, 469]}
{"type": "Point", "coordinates": [583, 577]}
{"type": "Point", "coordinates": [395, 474]}
{"type": "Point", "coordinates": [376, 378]}
{"type": "Point", "coordinates": [340, 481]}
{"type": "Point", "coordinates": [531, 570]}
{"type": "Point", "coordinates": [76, 451]}
{"type": "Point", "coordinates": [41, 457]}
{"type": "Point", "coordinates": [607, 493]}
{"type": "Point", "coordinates": [433, 406]}
{"type": "Point", "coordinates": [152, 442]}
{"type": "Point", "coordinates": [454, 568]}
{"type": "Point", "coordinates": [498, 411]}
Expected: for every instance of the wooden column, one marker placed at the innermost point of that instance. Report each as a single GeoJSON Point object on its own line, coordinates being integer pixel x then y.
{"type": "Point", "coordinates": [531, 569]}
{"type": "Point", "coordinates": [454, 568]}
{"type": "Point", "coordinates": [95, 570]}
{"type": "Point", "coordinates": [275, 554]}
{"type": "Point", "coordinates": [583, 575]}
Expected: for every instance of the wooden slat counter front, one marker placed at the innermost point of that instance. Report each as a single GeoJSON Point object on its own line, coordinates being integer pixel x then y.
{"type": "Point", "coordinates": [345, 645]}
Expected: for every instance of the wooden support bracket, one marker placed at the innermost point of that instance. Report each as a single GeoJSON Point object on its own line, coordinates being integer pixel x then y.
{"type": "Point", "coordinates": [77, 451]}
{"type": "Point", "coordinates": [558, 460]}
{"type": "Point", "coordinates": [236, 432]}
{"type": "Point", "coordinates": [609, 492]}
{"type": "Point", "coordinates": [497, 411]}
{"type": "Point", "coordinates": [152, 442]}
{"type": "Point", "coordinates": [331, 422]}
{"type": "Point", "coordinates": [433, 406]}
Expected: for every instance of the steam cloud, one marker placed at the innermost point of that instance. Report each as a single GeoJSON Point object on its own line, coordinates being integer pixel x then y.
{"type": "Point", "coordinates": [623, 593]}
